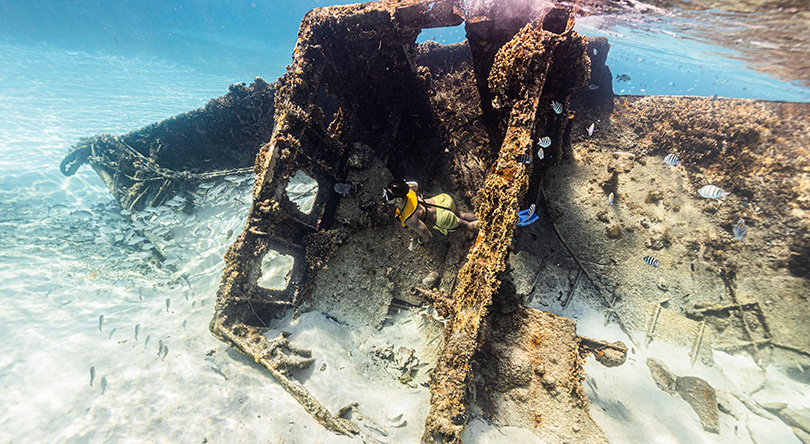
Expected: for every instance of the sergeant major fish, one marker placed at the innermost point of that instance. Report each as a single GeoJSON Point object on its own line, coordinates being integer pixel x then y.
{"type": "Point", "coordinates": [557, 106]}
{"type": "Point", "coordinates": [713, 192]}
{"type": "Point", "coordinates": [544, 141]}
{"type": "Point", "coordinates": [652, 261]}
{"type": "Point", "coordinates": [740, 230]}
{"type": "Point", "coordinates": [672, 160]}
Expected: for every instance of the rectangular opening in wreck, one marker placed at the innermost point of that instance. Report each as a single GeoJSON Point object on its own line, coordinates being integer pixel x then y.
{"type": "Point", "coordinates": [302, 191]}
{"type": "Point", "coordinates": [444, 36]}
{"type": "Point", "coordinates": [276, 270]}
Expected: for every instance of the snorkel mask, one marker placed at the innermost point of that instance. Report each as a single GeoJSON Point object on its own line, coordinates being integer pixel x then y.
{"type": "Point", "coordinates": [395, 190]}
{"type": "Point", "coordinates": [388, 197]}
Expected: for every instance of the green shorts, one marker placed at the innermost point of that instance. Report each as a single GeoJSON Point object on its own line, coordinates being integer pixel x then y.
{"type": "Point", "coordinates": [446, 219]}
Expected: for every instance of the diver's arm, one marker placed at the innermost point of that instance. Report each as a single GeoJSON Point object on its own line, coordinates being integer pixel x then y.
{"type": "Point", "coordinates": [421, 229]}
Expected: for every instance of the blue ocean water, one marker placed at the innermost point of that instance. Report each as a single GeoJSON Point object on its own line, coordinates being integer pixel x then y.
{"type": "Point", "coordinates": [74, 69]}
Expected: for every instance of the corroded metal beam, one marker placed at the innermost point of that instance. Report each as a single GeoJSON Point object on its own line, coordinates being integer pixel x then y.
{"type": "Point", "coordinates": [517, 79]}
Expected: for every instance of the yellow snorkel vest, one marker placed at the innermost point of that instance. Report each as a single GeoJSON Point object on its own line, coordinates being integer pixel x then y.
{"type": "Point", "coordinates": [408, 209]}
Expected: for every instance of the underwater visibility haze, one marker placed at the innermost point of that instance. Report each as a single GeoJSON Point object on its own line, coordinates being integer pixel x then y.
{"type": "Point", "coordinates": [101, 342]}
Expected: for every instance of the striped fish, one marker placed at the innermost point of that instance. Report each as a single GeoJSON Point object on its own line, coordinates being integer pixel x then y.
{"type": "Point", "coordinates": [524, 159]}
{"type": "Point", "coordinates": [557, 106]}
{"type": "Point", "coordinates": [652, 261]}
{"type": "Point", "coordinates": [544, 141]}
{"type": "Point", "coordinates": [672, 160]}
{"type": "Point", "coordinates": [740, 230]}
{"type": "Point", "coordinates": [713, 192]}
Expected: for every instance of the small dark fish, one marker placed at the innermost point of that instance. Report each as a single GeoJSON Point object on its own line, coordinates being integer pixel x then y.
{"type": "Point", "coordinates": [165, 351]}
{"type": "Point", "coordinates": [185, 322]}
{"type": "Point", "coordinates": [112, 332]}
{"type": "Point", "coordinates": [140, 293]}
{"type": "Point", "coordinates": [229, 234]}
{"type": "Point", "coordinates": [593, 87]}
{"type": "Point", "coordinates": [100, 322]}
{"type": "Point", "coordinates": [146, 342]}
{"type": "Point", "coordinates": [693, 267]}
{"type": "Point", "coordinates": [168, 303]}
{"type": "Point", "coordinates": [343, 188]}
{"type": "Point", "coordinates": [216, 370]}
{"type": "Point", "coordinates": [524, 159]}
{"type": "Point", "coordinates": [160, 347]}
{"type": "Point", "coordinates": [137, 330]}
{"type": "Point", "coordinates": [623, 78]}
{"type": "Point", "coordinates": [396, 418]}
{"type": "Point", "coordinates": [92, 375]}
{"type": "Point", "coordinates": [672, 160]}
{"type": "Point", "coordinates": [740, 230]}
{"type": "Point", "coordinates": [103, 384]}
{"type": "Point", "coordinates": [652, 261]}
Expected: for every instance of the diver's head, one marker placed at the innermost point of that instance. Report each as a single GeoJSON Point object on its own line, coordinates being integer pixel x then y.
{"type": "Point", "coordinates": [394, 190]}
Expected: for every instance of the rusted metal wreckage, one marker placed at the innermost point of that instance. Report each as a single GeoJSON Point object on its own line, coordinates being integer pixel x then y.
{"type": "Point", "coordinates": [362, 102]}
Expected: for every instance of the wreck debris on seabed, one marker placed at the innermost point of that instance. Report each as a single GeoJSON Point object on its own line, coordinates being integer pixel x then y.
{"type": "Point", "coordinates": [362, 103]}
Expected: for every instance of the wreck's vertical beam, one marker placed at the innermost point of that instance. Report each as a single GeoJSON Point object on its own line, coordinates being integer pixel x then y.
{"type": "Point", "coordinates": [268, 220]}
{"type": "Point", "coordinates": [517, 78]}
{"type": "Point", "coordinates": [489, 25]}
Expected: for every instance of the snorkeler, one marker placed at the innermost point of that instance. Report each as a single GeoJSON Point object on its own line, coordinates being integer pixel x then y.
{"type": "Point", "coordinates": [419, 214]}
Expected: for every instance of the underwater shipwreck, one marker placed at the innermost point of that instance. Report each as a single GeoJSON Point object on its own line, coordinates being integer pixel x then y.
{"type": "Point", "coordinates": [362, 104]}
